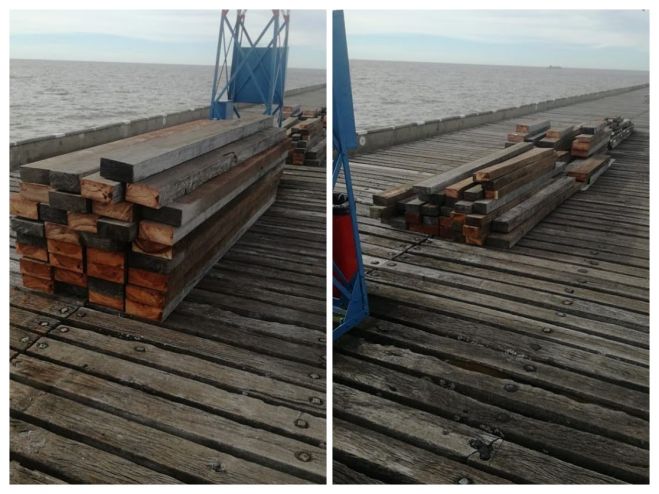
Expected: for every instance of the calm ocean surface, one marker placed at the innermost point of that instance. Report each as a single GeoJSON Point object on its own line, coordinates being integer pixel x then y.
{"type": "Point", "coordinates": [49, 97]}
{"type": "Point", "coordinates": [392, 93]}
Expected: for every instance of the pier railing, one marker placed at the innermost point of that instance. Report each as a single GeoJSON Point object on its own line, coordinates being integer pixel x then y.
{"type": "Point", "coordinates": [373, 139]}
{"type": "Point", "coordinates": [38, 148]}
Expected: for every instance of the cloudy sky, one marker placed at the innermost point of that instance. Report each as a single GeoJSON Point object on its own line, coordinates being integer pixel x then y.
{"type": "Point", "coordinates": [588, 39]}
{"type": "Point", "coordinates": [149, 36]}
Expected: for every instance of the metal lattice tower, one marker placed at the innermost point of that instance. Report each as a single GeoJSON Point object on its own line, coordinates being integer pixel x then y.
{"type": "Point", "coordinates": [250, 69]}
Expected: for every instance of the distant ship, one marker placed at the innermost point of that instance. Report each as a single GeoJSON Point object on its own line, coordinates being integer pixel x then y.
{"type": "Point", "coordinates": [554, 67]}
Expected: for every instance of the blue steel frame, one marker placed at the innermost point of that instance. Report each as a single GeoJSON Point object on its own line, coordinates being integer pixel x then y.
{"type": "Point", "coordinates": [231, 39]}
{"type": "Point", "coordinates": [351, 305]}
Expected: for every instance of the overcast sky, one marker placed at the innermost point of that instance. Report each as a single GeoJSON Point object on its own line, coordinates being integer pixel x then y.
{"type": "Point", "coordinates": [589, 39]}
{"type": "Point", "coordinates": [150, 36]}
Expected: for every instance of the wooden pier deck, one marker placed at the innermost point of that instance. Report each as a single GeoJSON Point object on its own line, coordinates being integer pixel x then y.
{"type": "Point", "coordinates": [230, 389]}
{"type": "Point", "coordinates": [485, 366]}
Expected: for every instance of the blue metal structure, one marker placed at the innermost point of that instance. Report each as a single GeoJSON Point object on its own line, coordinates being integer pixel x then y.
{"type": "Point", "coordinates": [350, 306]}
{"type": "Point", "coordinates": [250, 70]}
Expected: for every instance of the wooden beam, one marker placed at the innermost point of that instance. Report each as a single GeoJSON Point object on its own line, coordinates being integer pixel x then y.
{"type": "Point", "coordinates": [532, 126]}
{"type": "Point", "coordinates": [142, 160]}
{"type": "Point", "coordinates": [34, 192]}
{"type": "Point", "coordinates": [553, 194]}
{"type": "Point", "coordinates": [51, 214]}
{"type": "Point", "coordinates": [101, 189]}
{"type": "Point", "coordinates": [122, 231]}
{"type": "Point", "coordinates": [19, 206]}
{"type": "Point", "coordinates": [38, 269]}
{"type": "Point", "coordinates": [122, 211]}
{"type": "Point", "coordinates": [69, 201]}
{"type": "Point", "coordinates": [163, 188]}
{"type": "Point", "coordinates": [193, 208]}
{"type": "Point", "coordinates": [486, 206]}
{"type": "Point", "coordinates": [512, 164]}
{"type": "Point", "coordinates": [82, 222]}
{"type": "Point", "coordinates": [62, 233]}
{"type": "Point", "coordinates": [439, 182]}
{"type": "Point", "coordinates": [28, 227]}
{"type": "Point", "coordinates": [74, 264]}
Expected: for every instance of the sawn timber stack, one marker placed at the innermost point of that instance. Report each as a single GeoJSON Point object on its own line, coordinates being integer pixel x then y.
{"type": "Point", "coordinates": [134, 224]}
{"type": "Point", "coordinates": [495, 200]}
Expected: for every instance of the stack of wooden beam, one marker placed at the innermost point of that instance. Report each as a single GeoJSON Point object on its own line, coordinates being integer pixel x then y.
{"type": "Point", "coordinates": [307, 140]}
{"type": "Point", "coordinates": [588, 170]}
{"type": "Point", "coordinates": [593, 138]}
{"type": "Point", "coordinates": [462, 204]}
{"type": "Point", "coordinates": [530, 131]}
{"type": "Point", "coordinates": [621, 129]}
{"type": "Point", "coordinates": [134, 224]}
{"type": "Point", "coordinates": [560, 137]}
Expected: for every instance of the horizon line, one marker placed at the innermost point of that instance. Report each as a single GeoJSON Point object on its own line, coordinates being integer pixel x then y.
{"type": "Point", "coordinates": [492, 64]}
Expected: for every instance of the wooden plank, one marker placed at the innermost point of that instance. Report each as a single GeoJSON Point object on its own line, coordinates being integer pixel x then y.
{"type": "Point", "coordinates": [70, 277]}
{"type": "Point", "coordinates": [147, 446]}
{"type": "Point", "coordinates": [122, 211]}
{"type": "Point", "coordinates": [95, 241]}
{"type": "Point", "coordinates": [391, 196]}
{"type": "Point", "coordinates": [400, 462]}
{"type": "Point", "coordinates": [106, 258]}
{"type": "Point", "coordinates": [69, 201]}
{"type": "Point", "coordinates": [34, 192]}
{"type": "Point", "coordinates": [513, 176]}
{"type": "Point", "coordinates": [538, 170]}
{"type": "Point", "coordinates": [453, 439]}
{"type": "Point", "coordinates": [240, 211]}
{"type": "Point", "coordinates": [260, 445]}
{"type": "Point", "coordinates": [507, 240]}
{"type": "Point", "coordinates": [438, 182]}
{"type": "Point", "coordinates": [38, 284]}
{"type": "Point", "coordinates": [144, 159]}
{"type": "Point", "coordinates": [82, 222]}
{"type": "Point", "coordinates": [66, 170]}
{"type": "Point", "coordinates": [23, 238]}
{"type": "Point", "coordinates": [110, 273]}
{"type": "Point", "coordinates": [581, 170]}
{"type": "Point", "coordinates": [455, 190]}
{"type": "Point", "coordinates": [99, 467]}
{"type": "Point", "coordinates": [185, 280]}
{"type": "Point", "coordinates": [486, 206]}
{"type": "Point", "coordinates": [36, 269]}
{"type": "Point", "coordinates": [532, 126]}
{"type": "Point", "coordinates": [52, 215]}
{"type": "Point", "coordinates": [146, 296]}
{"type": "Point", "coordinates": [20, 206]}
{"type": "Point", "coordinates": [148, 279]}
{"type": "Point", "coordinates": [555, 193]}
{"type": "Point", "coordinates": [163, 188]}
{"type": "Point", "coordinates": [55, 231]}
{"type": "Point", "coordinates": [473, 193]}
{"type": "Point", "coordinates": [101, 190]}
{"type": "Point", "coordinates": [65, 248]}
{"type": "Point", "coordinates": [28, 227]}
{"type": "Point", "coordinates": [109, 288]}
{"type": "Point", "coordinates": [121, 231]}
{"type": "Point", "coordinates": [36, 252]}
{"type": "Point", "coordinates": [105, 300]}
{"type": "Point", "coordinates": [279, 419]}
{"type": "Point", "coordinates": [18, 474]}
{"type": "Point", "coordinates": [192, 210]}
{"type": "Point", "coordinates": [75, 264]}
{"type": "Point", "coordinates": [510, 165]}
{"type": "Point", "coordinates": [144, 311]}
